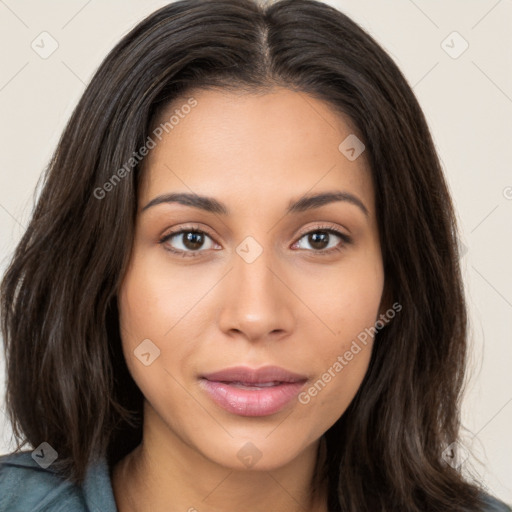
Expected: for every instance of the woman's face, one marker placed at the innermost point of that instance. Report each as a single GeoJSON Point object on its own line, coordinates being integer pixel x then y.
{"type": "Point", "coordinates": [266, 284]}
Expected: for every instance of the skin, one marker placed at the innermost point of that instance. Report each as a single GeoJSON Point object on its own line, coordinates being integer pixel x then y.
{"type": "Point", "coordinates": [291, 307]}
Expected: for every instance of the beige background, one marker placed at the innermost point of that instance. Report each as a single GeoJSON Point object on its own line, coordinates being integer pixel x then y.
{"type": "Point", "coordinates": [468, 104]}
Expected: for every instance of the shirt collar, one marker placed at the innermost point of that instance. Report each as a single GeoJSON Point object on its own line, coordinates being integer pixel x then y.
{"type": "Point", "coordinates": [97, 487]}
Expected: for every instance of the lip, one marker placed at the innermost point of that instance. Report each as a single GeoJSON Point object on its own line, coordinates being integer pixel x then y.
{"type": "Point", "coordinates": [246, 391]}
{"type": "Point", "coordinates": [254, 376]}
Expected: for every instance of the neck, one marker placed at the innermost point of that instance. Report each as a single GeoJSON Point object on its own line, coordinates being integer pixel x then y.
{"type": "Point", "coordinates": [160, 473]}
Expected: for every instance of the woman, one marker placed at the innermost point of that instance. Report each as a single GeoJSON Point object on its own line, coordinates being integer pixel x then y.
{"type": "Point", "coordinates": [240, 287]}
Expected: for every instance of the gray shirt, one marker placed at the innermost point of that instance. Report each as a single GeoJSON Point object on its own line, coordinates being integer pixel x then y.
{"type": "Point", "coordinates": [26, 487]}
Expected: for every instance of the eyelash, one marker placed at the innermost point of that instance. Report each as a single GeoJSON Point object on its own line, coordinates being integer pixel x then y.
{"type": "Point", "coordinates": [195, 229]}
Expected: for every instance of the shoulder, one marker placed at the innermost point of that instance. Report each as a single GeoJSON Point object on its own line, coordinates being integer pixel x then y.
{"type": "Point", "coordinates": [26, 486]}
{"type": "Point", "coordinates": [494, 505]}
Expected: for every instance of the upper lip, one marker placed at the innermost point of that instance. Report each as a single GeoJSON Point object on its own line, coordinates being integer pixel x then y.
{"type": "Point", "coordinates": [255, 376]}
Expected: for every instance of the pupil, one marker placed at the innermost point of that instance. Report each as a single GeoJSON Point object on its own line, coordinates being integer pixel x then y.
{"type": "Point", "coordinates": [318, 240]}
{"type": "Point", "coordinates": [193, 240]}
{"type": "Point", "coordinates": [321, 237]}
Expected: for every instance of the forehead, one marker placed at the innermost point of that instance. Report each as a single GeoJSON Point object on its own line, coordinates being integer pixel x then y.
{"type": "Point", "coordinates": [273, 143]}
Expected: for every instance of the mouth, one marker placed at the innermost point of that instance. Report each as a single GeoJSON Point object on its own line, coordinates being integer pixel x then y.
{"type": "Point", "coordinates": [252, 392]}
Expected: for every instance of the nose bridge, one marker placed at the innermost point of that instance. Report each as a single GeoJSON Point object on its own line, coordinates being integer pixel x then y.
{"type": "Point", "coordinates": [257, 302]}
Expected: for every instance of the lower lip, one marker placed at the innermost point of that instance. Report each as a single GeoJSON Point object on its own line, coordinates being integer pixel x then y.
{"type": "Point", "coordinates": [251, 402]}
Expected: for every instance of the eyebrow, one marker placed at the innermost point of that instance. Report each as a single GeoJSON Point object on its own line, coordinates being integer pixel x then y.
{"type": "Point", "coordinates": [209, 204]}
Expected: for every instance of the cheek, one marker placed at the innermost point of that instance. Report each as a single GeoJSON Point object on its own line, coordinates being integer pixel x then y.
{"type": "Point", "coordinates": [159, 315]}
{"type": "Point", "coordinates": [345, 300]}
{"type": "Point", "coordinates": [147, 328]}
{"type": "Point", "coordinates": [348, 308]}
{"type": "Point", "coordinates": [338, 378]}
{"type": "Point", "coordinates": [156, 298]}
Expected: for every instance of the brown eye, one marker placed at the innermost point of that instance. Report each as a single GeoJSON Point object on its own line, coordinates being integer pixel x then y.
{"type": "Point", "coordinates": [187, 242]}
{"type": "Point", "coordinates": [323, 240]}
{"type": "Point", "coordinates": [319, 239]}
{"type": "Point", "coordinates": [193, 240]}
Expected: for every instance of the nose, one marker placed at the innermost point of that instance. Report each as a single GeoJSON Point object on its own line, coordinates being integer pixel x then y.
{"type": "Point", "coordinates": [256, 302]}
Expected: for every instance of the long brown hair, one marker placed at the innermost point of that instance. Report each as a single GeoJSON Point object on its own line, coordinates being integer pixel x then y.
{"type": "Point", "coordinates": [67, 381]}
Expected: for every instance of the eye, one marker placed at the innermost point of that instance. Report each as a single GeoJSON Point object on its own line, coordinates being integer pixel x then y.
{"type": "Point", "coordinates": [323, 240]}
{"type": "Point", "coordinates": [190, 242]}
{"type": "Point", "coordinates": [187, 242]}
